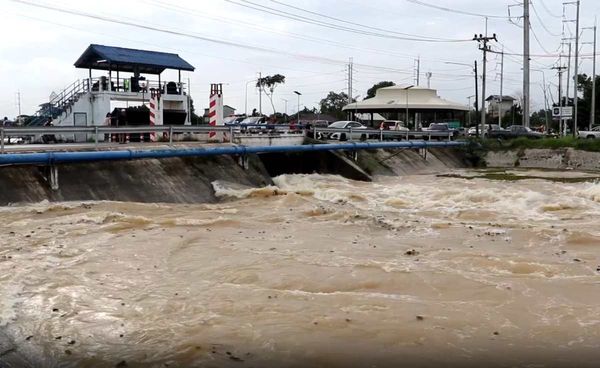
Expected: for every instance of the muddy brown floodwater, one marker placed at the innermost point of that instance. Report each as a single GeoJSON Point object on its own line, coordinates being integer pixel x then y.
{"type": "Point", "coordinates": [316, 271]}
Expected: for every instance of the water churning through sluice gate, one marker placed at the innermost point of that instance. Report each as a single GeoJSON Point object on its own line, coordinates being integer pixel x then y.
{"type": "Point", "coordinates": [315, 271]}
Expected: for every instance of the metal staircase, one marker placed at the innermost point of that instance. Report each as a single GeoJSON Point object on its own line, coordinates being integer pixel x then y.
{"type": "Point", "coordinates": [61, 102]}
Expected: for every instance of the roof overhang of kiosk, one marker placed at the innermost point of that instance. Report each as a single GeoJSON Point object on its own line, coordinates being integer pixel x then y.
{"type": "Point", "coordinates": [399, 98]}
{"type": "Point", "coordinates": [99, 57]}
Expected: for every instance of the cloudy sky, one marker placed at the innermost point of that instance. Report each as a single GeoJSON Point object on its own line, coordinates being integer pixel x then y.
{"type": "Point", "coordinates": [230, 41]}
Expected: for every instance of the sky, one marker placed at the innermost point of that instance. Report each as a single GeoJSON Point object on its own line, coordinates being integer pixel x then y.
{"type": "Point", "coordinates": [231, 41]}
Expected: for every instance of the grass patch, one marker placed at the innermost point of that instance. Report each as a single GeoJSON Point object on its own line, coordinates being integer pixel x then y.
{"type": "Point", "coordinates": [592, 145]}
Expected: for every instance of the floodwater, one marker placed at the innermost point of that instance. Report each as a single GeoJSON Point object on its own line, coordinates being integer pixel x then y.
{"type": "Point", "coordinates": [316, 271]}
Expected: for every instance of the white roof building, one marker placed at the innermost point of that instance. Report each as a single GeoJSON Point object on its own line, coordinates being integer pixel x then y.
{"type": "Point", "coordinates": [424, 103]}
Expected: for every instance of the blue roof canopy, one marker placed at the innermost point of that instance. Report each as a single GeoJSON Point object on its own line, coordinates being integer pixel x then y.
{"type": "Point", "coordinates": [130, 60]}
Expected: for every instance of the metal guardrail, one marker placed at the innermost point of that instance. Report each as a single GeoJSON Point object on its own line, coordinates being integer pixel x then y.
{"type": "Point", "coordinates": [97, 131]}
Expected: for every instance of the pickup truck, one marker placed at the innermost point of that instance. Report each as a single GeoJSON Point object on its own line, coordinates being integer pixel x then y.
{"type": "Point", "coordinates": [590, 134]}
{"type": "Point", "coordinates": [515, 131]}
{"type": "Point", "coordinates": [441, 128]}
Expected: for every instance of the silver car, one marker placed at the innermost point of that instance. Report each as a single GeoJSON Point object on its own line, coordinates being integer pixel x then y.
{"type": "Point", "coordinates": [344, 136]}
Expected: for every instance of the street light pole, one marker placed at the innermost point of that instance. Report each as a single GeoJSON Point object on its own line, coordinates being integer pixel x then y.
{"type": "Point", "coordinates": [470, 107]}
{"type": "Point", "coordinates": [546, 104]}
{"type": "Point", "coordinates": [407, 119]}
{"type": "Point", "coordinates": [474, 68]}
{"type": "Point", "coordinates": [286, 110]}
{"type": "Point", "coordinates": [298, 118]}
{"type": "Point", "coordinates": [246, 103]}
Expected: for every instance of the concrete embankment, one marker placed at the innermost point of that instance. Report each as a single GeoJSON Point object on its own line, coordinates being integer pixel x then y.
{"type": "Point", "coordinates": [556, 159]}
{"type": "Point", "coordinates": [188, 180]}
{"type": "Point", "coordinates": [172, 180]}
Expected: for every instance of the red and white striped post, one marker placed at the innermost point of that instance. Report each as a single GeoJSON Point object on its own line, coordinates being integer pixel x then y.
{"type": "Point", "coordinates": [215, 111]}
{"type": "Point", "coordinates": [155, 118]}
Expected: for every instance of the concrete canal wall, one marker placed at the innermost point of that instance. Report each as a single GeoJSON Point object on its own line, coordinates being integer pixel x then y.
{"type": "Point", "coordinates": [188, 180]}
{"type": "Point", "coordinates": [558, 159]}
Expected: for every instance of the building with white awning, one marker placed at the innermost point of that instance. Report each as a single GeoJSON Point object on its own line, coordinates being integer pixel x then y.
{"type": "Point", "coordinates": [409, 104]}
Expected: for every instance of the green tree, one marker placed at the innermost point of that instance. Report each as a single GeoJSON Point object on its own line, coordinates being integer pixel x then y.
{"type": "Point", "coordinates": [513, 117]}
{"type": "Point", "coordinates": [538, 118]}
{"type": "Point", "coordinates": [194, 118]}
{"type": "Point", "coordinates": [584, 105]}
{"type": "Point", "coordinates": [371, 91]}
{"type": "Point", "coordinates": [333, 104]}
{"type": "Point", "coordinates": [267, 85]}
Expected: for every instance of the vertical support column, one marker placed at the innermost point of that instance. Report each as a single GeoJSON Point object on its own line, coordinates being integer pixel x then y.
{"type": "Point", "coordinates": [53, 179]}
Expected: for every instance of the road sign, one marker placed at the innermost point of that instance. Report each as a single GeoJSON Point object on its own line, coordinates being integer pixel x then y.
{"type": "Point", "coordinates": [567, 112]}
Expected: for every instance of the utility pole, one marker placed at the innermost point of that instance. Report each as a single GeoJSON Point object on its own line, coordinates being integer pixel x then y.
{"type": "Point", "coordinates": [593, 106]}
{"type": "Point", "coordinates": [418, 70]}
{"type": "Point", "coordinates": [483, 46]}
{"type": "Point", "coordinates": [593, 117]}
{"type": "Point", "coordinates": [526, 63]}
{"type": "Point", "coordinates": [477, 100]}
{"type": "Point", "coordinates": [576, 75]}
{"type": "Point", "coordinates": [567, 90]}
{"type": "Point", "coordinates": [19, 102]}
{"type": "Point", "coordinates": [560, 69]}
{"type": "Point", "coordinates": [428, 75]}
{"type": "Point", "coordinates": [350, 78]}
{"type": "Point", "coordinates": [501, 89]}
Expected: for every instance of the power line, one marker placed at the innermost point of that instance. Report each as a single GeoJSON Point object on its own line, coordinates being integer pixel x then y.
{"type": "Point", "coordinates": [204, 16]}
{"type": "Point", "coordinates": [548, 10]}
{"type": "Point", "coordinates": [537, 40]}
{"type": "Point", "coordinates": [299, 18]}
{"type": "Point", "coordinates": [196, 37]}
{"type": "Point", "coordinates": [357, 24]}
{"type": "Point", "coordinates": [457, 11]}
{"type": "Point", "coordinates": [542, 23]}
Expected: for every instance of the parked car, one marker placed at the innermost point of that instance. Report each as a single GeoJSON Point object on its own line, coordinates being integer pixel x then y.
{"type": "Point", "coordinates": [14, 140]}
{"type": "Point", "coordinates": [343, 136]}
{"type": "Point", "coordinates": [515, 131]}
{"type": "Point", "coordinates": [254, 123]}
{"type": "Point", "coordinates": [472, 132]}
{"type": "Point", "coordinates": [396, 125]}
{"type": "Point", "coordinates": [590, 134]}
{"type": "Point", "coordinates": [233, 120]}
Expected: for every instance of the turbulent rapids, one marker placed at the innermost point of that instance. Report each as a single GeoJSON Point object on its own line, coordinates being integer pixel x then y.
{"type": "Point", "coordinates": [313, 271]}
